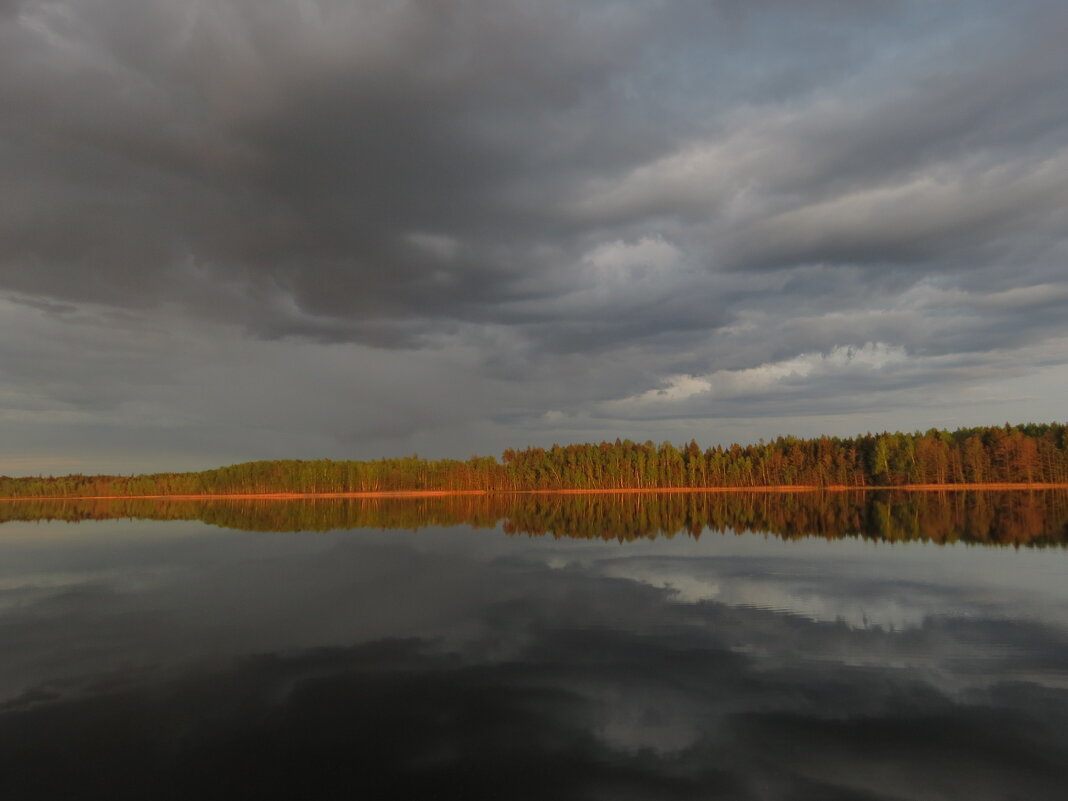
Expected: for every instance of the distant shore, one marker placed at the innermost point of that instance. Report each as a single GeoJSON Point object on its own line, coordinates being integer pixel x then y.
{"type": "Point", "coordinates": [289, 496]}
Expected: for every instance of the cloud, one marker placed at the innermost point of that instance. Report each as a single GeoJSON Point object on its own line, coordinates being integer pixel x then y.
{"type": "Point", "coordinates": [764, 380]}
{"type": "Point", "coordinates": [648, 252]}
{"type": "Point", "coordinates": [585, 204]}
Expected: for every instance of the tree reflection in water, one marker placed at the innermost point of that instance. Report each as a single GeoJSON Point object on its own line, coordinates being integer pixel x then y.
{"type": "Point", "coordinates": [1028, 518]}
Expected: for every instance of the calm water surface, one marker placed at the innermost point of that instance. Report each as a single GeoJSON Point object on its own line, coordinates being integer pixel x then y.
{"type": "Point", "coordinates": [738, 647]}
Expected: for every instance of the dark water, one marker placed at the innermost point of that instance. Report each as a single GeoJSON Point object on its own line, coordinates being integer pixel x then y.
{"type": "Point", "coordinates": [715, 646]}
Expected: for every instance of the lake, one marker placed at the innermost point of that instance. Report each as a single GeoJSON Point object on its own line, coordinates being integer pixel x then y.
{"type": "Point", "coordinates": [690, 645]}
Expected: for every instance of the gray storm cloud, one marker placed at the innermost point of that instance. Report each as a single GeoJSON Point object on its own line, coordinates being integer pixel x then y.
{"type": "Point", "coordinates": [550, 217]}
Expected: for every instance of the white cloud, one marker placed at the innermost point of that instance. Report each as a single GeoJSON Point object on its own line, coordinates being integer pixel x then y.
{"type": "Point", "coordinates": [648, 253]}
{"type": "Point", "coordinates": [769, 377]}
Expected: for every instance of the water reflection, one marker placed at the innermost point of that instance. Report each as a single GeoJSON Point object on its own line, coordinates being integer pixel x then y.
{"type": "Point", "coordinates": [1035, 518]}
{"type": "Point", "coordinates": [174, 659]}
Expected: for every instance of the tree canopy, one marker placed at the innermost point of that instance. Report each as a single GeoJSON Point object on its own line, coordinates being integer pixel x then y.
{"type": "Point", "coordinates": [1031, 453]}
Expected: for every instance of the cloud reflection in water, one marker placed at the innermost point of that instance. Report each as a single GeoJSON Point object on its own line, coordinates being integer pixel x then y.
{"type": "Point", "coordinates": [460, 664]}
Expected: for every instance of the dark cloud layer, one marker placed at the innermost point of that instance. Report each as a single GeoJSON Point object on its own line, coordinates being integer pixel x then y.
{"type": "Point", "coordinates": [569, 206]}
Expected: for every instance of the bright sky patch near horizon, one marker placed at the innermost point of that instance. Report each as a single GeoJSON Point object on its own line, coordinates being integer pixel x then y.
{"type": "Point", "coordinates": [248, 229]}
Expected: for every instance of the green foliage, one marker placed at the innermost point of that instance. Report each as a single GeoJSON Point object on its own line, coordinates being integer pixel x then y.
{"type": "Point", "coordinates": [1031, 453]}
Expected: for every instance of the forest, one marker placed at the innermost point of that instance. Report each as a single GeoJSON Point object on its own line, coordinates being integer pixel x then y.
{"type": "Point", "coordinates": [1030, 453]}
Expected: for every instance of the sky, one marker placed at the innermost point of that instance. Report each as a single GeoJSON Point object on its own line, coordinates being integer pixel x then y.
{"type": "Point", "coordinates": [248, 229]}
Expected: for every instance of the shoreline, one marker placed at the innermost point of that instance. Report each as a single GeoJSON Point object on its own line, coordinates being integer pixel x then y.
{"type": "Point", "coordinates": [790, 488]}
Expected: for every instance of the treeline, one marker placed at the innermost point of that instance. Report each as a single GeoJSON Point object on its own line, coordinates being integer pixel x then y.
{"type": "Point", "coordinates": [1038, 518]}
{"type": "Point", "coordinates": [1032, 453]}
